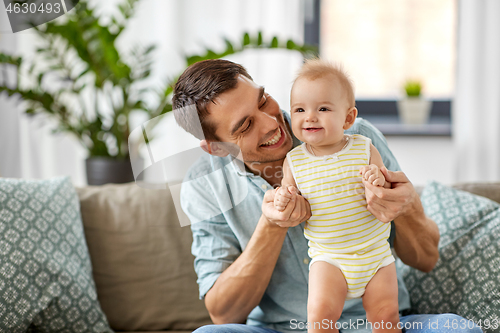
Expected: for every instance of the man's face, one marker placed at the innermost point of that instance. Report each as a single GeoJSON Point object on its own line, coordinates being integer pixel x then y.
{"type": "Point", "coordinates": [251, 119]}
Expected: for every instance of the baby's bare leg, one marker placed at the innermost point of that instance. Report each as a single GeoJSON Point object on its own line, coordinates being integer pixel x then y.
{"type": "Point", "coordinates": [381, 300]}
{"type": "Point", "coordinates": [327, 292]}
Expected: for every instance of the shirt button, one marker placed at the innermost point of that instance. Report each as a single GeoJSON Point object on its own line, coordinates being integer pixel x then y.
{"type": "Point", "coordinates": [306, 261]}
{"type": "Point", "coordinates": [264, 186]}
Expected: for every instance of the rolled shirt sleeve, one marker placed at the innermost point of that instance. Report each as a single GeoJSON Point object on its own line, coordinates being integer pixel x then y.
{"type": "Point", "coordinates": [215, 249]}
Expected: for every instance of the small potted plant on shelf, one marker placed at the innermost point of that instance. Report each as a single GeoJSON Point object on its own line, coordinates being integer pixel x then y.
{"type": "Point", "coordinates": [414, 109]}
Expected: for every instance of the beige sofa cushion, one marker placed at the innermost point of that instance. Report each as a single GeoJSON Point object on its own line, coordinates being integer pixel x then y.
{"type": "Point", "coordinates": [141, 258]}
{"type": "Point", "coordinates": [489, 190]}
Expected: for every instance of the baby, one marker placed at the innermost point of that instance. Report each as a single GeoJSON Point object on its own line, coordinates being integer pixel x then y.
{"type": "Point", "coordinates": [348, 246]}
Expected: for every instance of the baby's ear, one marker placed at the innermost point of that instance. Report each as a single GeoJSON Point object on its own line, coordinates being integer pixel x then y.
{"type": "Point", "coordinates": [352, 113]}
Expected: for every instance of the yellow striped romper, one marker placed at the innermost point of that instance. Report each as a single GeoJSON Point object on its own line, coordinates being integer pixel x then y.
{"type": "Point", "coordinates": [341, 230]}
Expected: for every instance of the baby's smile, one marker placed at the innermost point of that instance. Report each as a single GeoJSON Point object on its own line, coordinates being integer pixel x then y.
{"type": "Point", "coordinates": [312, 129]}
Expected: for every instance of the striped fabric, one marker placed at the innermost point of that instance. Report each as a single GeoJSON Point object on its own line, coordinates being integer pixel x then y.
{"type": "Point", "coordinates": [341, 230]}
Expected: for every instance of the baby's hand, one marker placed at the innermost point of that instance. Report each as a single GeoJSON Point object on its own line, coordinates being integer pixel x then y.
{"type": "Point", "coordinates": [372, 174]}
{"type": "Point", "coordinates": [283, 196]}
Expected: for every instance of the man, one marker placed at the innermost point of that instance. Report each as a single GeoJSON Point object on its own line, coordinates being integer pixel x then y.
{"type": "Point", "coordinates": [251, 259]}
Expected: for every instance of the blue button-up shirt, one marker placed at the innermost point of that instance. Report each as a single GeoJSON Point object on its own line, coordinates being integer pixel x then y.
{"type": "Point", "coordinates": [223, 202]}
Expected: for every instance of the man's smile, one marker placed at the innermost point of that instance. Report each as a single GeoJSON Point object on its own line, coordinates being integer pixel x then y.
{"type": "Point", "coordinates": [276, 140]}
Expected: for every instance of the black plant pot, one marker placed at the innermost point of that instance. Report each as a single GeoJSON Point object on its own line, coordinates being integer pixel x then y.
{"type": "Point", "coordinates": [104, 170]}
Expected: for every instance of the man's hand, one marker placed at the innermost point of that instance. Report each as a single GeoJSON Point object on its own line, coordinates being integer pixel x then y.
{"type": "Point", "coordinates": [387, 204]}
{"type": "Point", "coordinates": [297, 210]}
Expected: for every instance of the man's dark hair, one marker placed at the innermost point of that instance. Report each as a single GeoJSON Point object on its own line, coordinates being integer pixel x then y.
{"type": "Point", "coordinates": [200, 84]}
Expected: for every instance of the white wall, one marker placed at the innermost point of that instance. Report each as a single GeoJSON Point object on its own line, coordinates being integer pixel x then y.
{"type": "Point", "coordinates": [425, 158]}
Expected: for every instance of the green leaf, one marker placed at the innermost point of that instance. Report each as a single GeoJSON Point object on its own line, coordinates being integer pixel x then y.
{"type": "Point", "coordinates": [193, 59]}
{"type": "Point", "coordinates": [274, 42]}
{"type": "Point", "coordinates": [40, 78]}
{"type": "Point", "coordinates": [229, 47]}
{"type": "Point", "coordinates": [246, 39]}
{"type": "Point", "coordinates": [290, 44]}
{"type": "Point", "coordinates": [150, 49]}
{"type": "Point", "coordinates": [9, 59]}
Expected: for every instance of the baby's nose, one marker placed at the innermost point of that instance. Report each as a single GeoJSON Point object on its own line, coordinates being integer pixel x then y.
{"type": "Point", "coordinates": [311, 117]}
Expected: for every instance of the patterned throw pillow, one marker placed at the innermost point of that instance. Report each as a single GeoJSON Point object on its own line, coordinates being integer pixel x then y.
{"type": "Point", "coordinates": [46, 280]}
{"type": "Point", "coordinates": [466, 278]}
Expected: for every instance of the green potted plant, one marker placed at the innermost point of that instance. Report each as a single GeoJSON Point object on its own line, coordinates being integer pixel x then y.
{"type": "Point", "coordinates": [414, 109]}
{"type": "Point", "coordinates": [80, 58]}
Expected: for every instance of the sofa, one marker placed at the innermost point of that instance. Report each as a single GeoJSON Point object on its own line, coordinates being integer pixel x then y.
{"type": "Point", "coordinates": [141, 260]}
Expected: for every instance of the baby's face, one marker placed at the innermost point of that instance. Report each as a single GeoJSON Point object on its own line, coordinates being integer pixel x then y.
{"type": "Point", "coordinates": [318, 109]}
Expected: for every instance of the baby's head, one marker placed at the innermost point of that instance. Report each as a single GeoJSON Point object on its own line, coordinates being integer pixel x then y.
{"type": "Point", "coordinates": [322, 103]}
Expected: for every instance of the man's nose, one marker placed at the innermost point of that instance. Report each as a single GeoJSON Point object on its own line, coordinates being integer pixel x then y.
{"type": "Point", "coordinates": [268, 119]}
{"type": "Point", "coordinates": [267, 122]}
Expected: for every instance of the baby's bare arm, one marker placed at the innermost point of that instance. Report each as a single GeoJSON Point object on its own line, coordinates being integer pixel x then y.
{"type": "Point", "coordinates": [287, 190]}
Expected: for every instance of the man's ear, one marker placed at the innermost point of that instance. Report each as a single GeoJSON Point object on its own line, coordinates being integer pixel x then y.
{"type": "Point", "coordinates": [352, 113]}
{"type": "Point", "coordinates": [213, 148]}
